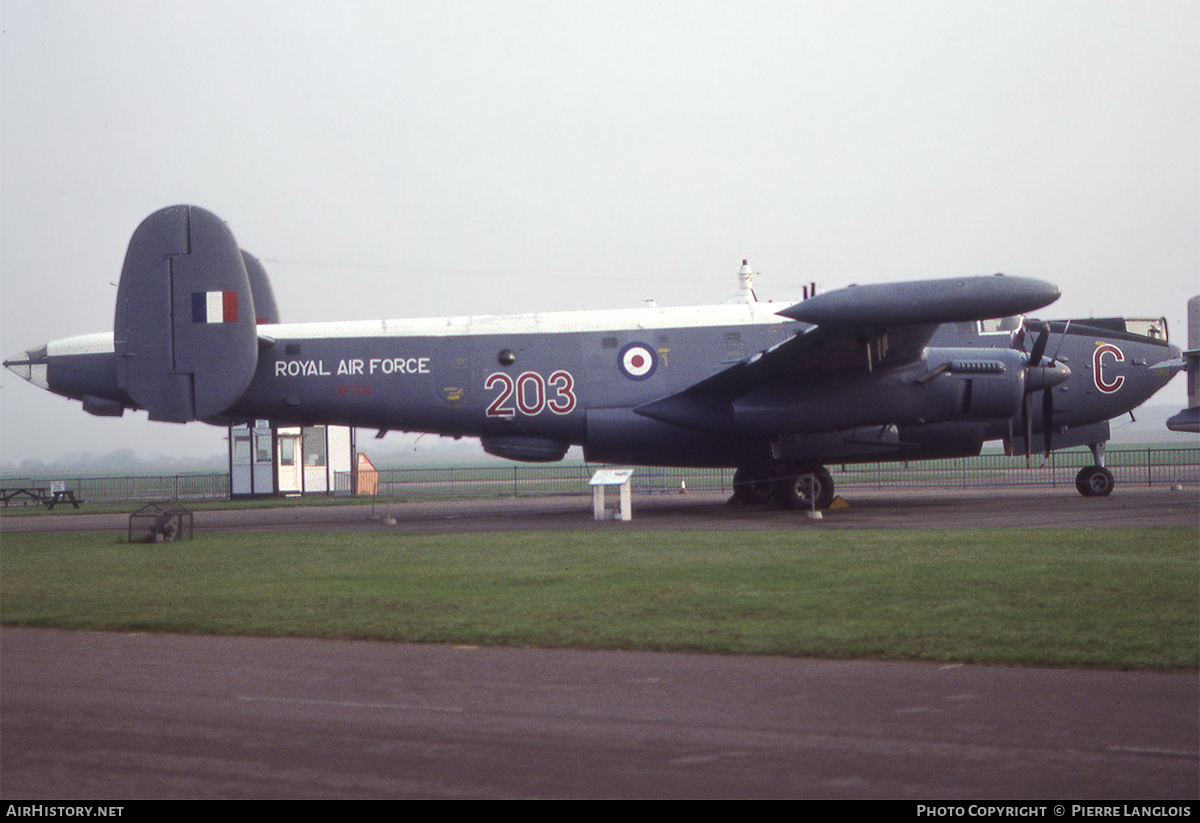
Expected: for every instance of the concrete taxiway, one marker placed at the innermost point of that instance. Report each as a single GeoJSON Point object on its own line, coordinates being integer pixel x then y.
{"type": "Point", "coordinates": [120, 716]}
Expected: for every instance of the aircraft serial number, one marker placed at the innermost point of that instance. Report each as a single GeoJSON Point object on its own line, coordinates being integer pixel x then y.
{"type": "Point", "coordinates": [531, 394]}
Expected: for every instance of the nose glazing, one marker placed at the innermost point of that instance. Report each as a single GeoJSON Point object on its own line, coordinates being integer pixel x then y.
{"type": "Point", "coordinates": [31, 366]}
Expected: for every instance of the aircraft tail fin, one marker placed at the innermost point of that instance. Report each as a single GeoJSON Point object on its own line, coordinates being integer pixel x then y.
{"type": "Point", "coordinates": [184, 330]}
{"type": "Point", "coordinates": [265, 310]}
{"type": "Point", "coordinates": [1188, 420]}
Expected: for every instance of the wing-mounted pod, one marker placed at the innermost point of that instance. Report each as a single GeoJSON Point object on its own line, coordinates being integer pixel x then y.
{"type": "Point", "coordinates": [925, 301]}
{"type": "Point", "coordinates": [184, 331]}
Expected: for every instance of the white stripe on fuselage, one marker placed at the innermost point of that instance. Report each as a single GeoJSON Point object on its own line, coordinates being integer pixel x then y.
{"type": "Point", "coordinates": [100, 343]}
{"type": "Point", "coordinates": [612, 320]}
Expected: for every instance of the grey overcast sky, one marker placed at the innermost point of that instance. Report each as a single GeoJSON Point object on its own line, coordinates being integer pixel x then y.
{"type": "Point", "coordinates": [399, 158]}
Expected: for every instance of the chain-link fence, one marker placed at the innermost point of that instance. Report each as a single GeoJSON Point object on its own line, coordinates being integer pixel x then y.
{"type": "Point", "coordinates": [1147, 466]}
{"type": "Point", "coordinates": [1144, 466]}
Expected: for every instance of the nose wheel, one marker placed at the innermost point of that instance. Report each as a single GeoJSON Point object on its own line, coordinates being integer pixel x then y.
{"type": "Point", "coordinates": [1095, 481]}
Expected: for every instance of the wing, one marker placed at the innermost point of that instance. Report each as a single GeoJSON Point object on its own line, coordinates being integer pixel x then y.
{"type": "Point", "coordinates": [860, 329]}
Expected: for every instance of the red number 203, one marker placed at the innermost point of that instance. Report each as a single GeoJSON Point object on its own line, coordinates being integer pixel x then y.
{"type": "Point", "coordinates": [531, 394]}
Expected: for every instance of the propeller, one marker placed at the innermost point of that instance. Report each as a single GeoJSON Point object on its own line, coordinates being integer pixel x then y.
{"type": "Point", "coordinates": [1043, 378]}
{"type": "Point", "coordinates": [1035, 358]}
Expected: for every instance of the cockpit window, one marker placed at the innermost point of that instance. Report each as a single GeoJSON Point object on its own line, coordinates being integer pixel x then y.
{"type": "Point", "coordinates": [1154, 328]}
{"type": "Point", "coordinates": [1001, 325]}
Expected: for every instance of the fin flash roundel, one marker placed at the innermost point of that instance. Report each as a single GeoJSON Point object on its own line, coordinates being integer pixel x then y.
{"type": "Point", "coordinates": [637, 361]}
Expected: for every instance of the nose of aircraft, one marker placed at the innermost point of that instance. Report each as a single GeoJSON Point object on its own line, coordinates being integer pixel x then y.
{"type": "Point", "coordinates": [30, 365]}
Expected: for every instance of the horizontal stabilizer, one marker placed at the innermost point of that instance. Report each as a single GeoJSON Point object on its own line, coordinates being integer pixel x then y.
{"type": "Point", "coordinates": [1187, 420]}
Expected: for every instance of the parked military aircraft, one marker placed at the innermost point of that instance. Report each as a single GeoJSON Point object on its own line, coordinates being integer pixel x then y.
{"type": "Point", "coordinates": [902, 371]}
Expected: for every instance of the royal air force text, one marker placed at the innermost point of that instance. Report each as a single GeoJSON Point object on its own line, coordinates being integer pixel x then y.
{"type": "Point", "coordinates": [354, 366]}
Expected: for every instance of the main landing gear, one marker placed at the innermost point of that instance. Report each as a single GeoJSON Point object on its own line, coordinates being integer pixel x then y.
{"type": "Point", "coordinates": [1095, 481]}
{"type": "Point", "coordinates": [791, 485]}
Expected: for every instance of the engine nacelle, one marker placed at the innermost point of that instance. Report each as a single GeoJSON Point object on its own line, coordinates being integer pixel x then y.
{"type": "Point", "coordinates": [970, 384]}
{"type": "Point", "coordinates": [947, 385]}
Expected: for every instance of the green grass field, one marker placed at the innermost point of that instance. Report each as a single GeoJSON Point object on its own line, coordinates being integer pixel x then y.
{"type": "Point", "coordinates": [1072, 597]}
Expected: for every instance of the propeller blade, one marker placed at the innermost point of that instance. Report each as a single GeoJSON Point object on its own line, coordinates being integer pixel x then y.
{"type": "Point", "coordinates": [1039, 345]}
{"type": "Point", "coordinates": [1061, 339]}
{"type": "Point", "coordinates": [1018, 338]}
{"type": "Point", "coordinates": [1048, 417]}
{"type": "Point", "coordinates": [1027, 414]}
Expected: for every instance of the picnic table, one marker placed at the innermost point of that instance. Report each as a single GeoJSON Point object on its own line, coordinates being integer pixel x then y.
{"type": "Point", "coordinates": [39, 494]}
{"type": "Point", "coordinates": [25, 494]}
{"type": "Point", "coordinates": [63, 496]}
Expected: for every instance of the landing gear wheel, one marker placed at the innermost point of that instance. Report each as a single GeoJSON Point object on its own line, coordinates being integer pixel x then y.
{"type": "Point", "coordinates": [752, 485]}
{"type": "Point", "coordinates": [804, 488]}
{"type": "Point", "coordinates": [1094, 481]}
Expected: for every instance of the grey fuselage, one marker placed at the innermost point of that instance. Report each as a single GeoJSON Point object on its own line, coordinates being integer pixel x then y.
{"type": "Point", "coordinates": [532, 385]}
